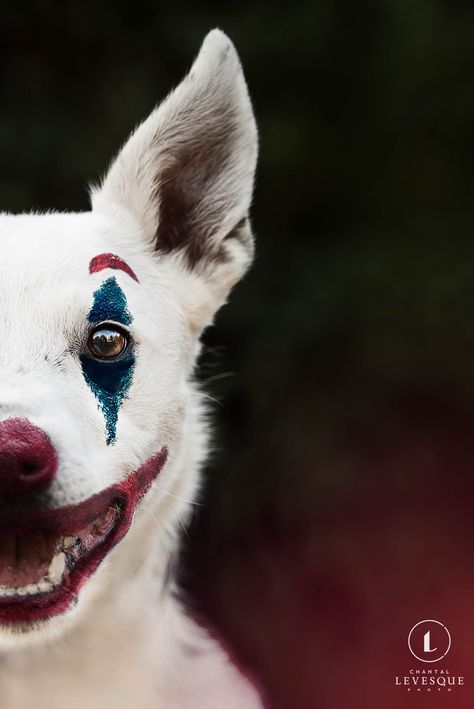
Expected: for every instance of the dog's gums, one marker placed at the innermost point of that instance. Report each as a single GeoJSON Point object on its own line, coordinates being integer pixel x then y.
{"type": "Point", "coordinates": [47, 555]}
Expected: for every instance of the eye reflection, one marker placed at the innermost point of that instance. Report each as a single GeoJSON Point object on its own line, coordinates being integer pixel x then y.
{"type": "Point", "coordinates": [107, 342]}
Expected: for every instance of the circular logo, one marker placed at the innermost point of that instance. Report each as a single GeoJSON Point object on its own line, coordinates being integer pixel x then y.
{"type": "Point", "coordinates": [429, 641]}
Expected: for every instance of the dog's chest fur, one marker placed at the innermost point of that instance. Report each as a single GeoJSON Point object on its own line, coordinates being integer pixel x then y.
{"type": "Point", "coordinates": [156, 660]}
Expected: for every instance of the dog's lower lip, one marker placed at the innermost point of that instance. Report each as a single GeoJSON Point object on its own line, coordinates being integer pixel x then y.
{"type": "Point", "coordinates": [80, 536]}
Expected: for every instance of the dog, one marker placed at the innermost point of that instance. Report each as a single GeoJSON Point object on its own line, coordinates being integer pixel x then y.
{"type": "Point", "coordinates": [102, 429]}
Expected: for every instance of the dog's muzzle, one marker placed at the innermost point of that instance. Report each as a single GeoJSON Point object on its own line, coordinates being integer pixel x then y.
{"type": "Point", "coordinates": [47, 553]}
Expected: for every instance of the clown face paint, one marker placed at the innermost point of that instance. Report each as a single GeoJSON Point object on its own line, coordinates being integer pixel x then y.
{"type": "Point", "coordinates": [110, 303]}
{"type": "Point", "coordinates": [109, 380]}
{"type": "Point", "coordinates": [98, 263]}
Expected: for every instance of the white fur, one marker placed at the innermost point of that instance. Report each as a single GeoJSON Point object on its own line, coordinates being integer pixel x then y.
{"type": "Point", "coordinates": [128, 642]}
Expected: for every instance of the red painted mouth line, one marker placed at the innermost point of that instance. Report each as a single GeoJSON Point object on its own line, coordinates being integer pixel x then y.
{"type": "Point", "coordinates": [97, 524]}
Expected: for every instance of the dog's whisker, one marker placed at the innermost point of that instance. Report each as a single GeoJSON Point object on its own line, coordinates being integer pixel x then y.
{"type": "Point", "coordinates": [218, 377]}
{"type": "Point", "coordinates": [212, 398]}
{"type": "Point", "coordinates": [187, 500]}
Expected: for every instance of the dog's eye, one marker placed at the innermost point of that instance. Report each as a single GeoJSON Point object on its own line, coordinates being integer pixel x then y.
{"type": "Point", "coordinates": [107, 342]}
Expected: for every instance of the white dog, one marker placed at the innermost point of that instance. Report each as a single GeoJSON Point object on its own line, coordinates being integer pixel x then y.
{"type": "Point", "coordinates": [101, 427]}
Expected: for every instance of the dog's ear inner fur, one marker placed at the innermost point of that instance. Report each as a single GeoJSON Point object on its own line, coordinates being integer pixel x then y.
{"type": "Point", "coordinates": [187, 172]}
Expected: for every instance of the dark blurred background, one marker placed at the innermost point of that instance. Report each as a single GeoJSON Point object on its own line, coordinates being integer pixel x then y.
{"type": "Point", "coordinates": [337, 508]}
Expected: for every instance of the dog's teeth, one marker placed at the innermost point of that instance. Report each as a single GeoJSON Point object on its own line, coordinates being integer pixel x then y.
{"type": "Point", "coordinates": [44, 586]}
{"type": "Point", "coordinates": [69, 542]}
{"type": "Point", "coordinates": [29, 590]}
{"type": "Point", "coordinates": [56, 568]}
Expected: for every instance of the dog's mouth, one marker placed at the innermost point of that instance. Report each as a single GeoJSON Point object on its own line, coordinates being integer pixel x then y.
{"type": "Point", "coordinates": [33, 563]}
{"type": "Point", "coordinates": [47, 555]}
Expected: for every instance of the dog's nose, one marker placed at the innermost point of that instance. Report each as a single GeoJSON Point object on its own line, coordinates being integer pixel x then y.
{"type": "Point", "coordinates": [28, 460]}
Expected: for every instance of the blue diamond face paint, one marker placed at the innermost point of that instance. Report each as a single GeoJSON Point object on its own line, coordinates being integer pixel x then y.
{"type": "Point", "coordinates": [109, 380]}
{"type": "Point", "coordinates": [110, 303]}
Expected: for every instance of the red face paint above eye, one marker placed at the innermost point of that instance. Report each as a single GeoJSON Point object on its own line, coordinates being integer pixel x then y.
{"type": "Point", "coordinates": [102, 261]}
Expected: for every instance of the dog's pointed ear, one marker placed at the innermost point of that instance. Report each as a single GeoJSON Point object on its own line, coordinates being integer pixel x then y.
{"type": "Point", "coordinates": [187, 172]}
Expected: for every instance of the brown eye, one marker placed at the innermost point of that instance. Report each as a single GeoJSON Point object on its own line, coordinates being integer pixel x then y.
{"type": "Point", "coordinates": [107, 342]}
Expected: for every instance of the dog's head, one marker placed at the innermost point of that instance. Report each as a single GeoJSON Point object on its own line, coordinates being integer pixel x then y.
{"type": "Point", "coordinates": [100, 317]}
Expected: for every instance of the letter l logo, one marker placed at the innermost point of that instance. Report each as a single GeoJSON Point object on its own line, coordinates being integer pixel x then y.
{"type": "Point", "coordinates": [426, 642]}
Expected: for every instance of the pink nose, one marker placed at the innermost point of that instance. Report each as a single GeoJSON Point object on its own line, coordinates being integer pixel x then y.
{"type": "Point", "coordinates": [28, 460]}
